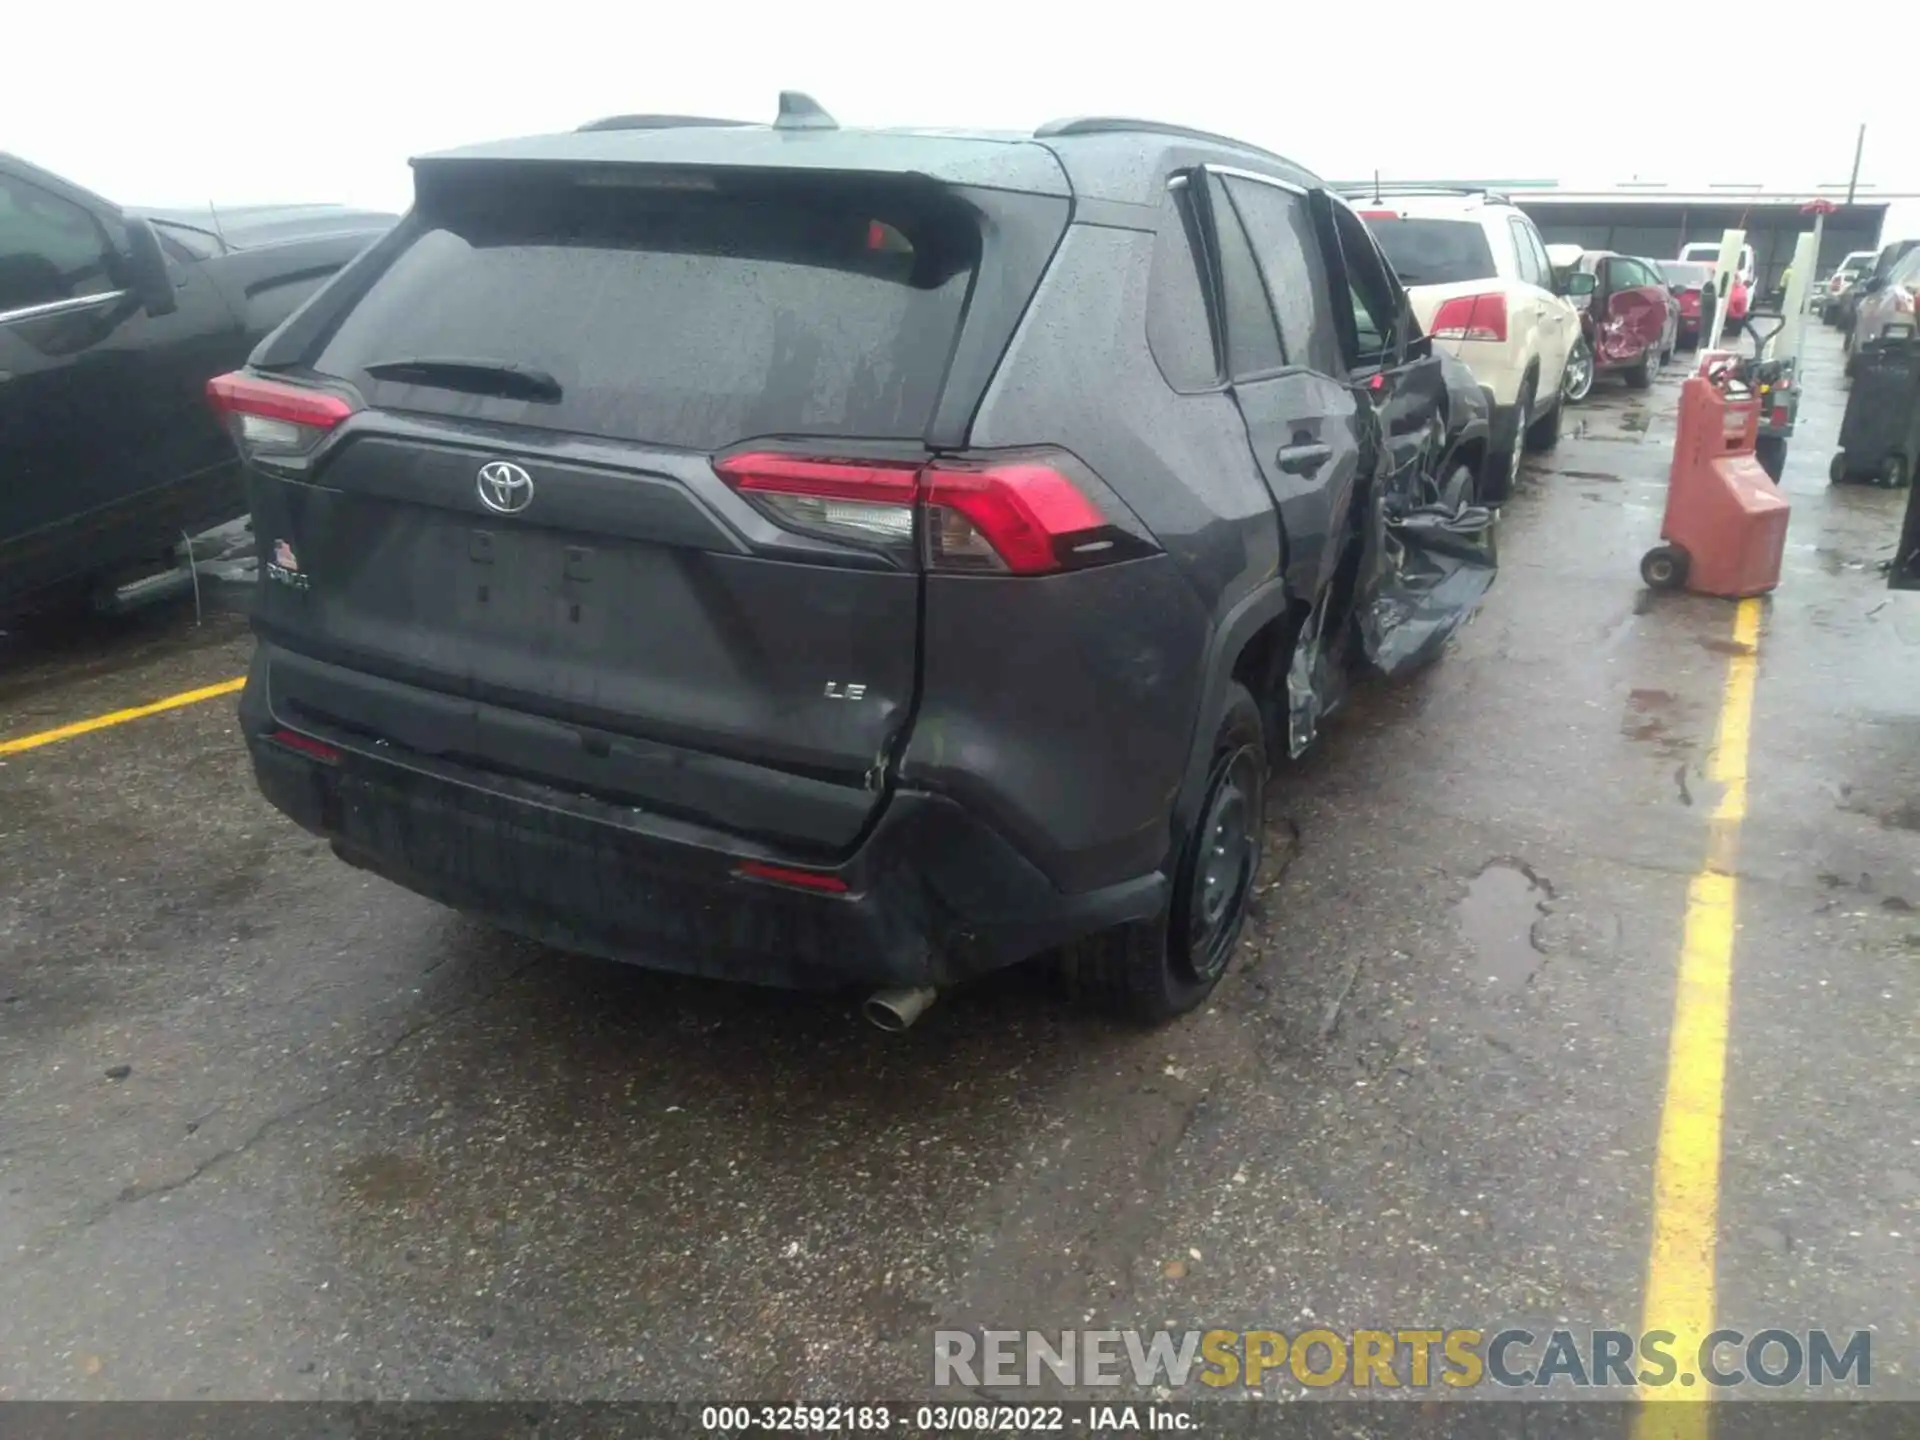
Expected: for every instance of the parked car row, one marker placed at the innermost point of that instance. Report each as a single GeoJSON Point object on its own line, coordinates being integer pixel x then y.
{"type": "Point", "coordinates": [111, 322]}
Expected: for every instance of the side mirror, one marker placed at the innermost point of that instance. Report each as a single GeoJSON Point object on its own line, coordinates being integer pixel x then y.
{"type": "Point", "coordinates": [1581, 284]}
{"type": "Point", "coordinates": [148, 279]}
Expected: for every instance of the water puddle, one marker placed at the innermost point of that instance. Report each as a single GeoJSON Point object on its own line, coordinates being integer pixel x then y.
{"type": "Point", "coordinates": [1498, 915]}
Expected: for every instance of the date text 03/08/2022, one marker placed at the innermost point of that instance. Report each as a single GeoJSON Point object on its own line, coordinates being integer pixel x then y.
{"type": "Point", "coordinates": [945, 1419]}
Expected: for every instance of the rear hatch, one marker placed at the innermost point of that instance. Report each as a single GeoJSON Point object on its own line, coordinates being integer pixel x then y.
{"type": "Point", "coordinates": [1436, 259]}
{"type": "Point", "coordinates": [517, 552]}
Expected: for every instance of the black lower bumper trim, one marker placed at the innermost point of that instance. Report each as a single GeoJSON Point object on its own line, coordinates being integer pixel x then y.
{"type": "Point", "coordinates": [934, 896]}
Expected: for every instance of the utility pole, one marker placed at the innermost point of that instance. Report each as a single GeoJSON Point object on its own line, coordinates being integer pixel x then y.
{"type": "Point", "coordinates": [1859, 144]}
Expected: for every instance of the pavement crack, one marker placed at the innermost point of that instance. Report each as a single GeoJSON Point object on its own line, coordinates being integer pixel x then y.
{"type": "Point", "coordinates": [369, 1067]}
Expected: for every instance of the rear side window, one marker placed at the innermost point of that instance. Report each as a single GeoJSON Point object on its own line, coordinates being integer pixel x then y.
{"type": "Point", "coordinates": [1253, 340]}
{"type": "Point", "coordinates": [672, 316]}
{"type": "Point", "coordinates": [1435, 252]}
{"type": "Point", "coordinates": [1281, 230]}
{"type": "Point", "coordinates": [1532, 270]}
{"type": "Point", "coordinates": [1178, 331]}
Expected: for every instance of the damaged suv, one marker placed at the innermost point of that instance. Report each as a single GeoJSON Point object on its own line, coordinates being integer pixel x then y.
{"type": "Point", "coordinates": [816, 557]}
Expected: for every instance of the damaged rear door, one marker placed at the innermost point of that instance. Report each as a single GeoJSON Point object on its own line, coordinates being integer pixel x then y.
{"type": "Point", "coordinates": [1303, 422]}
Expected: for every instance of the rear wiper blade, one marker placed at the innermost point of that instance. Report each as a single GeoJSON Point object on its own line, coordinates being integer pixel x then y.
{"type": "Point", "coordinates": [478, 377]}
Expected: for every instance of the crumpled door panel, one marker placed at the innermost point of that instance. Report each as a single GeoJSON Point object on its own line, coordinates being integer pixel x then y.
{"type": "Point", "coordinates": [1424, 564]}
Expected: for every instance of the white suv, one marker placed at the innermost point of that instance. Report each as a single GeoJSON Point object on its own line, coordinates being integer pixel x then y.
{"type": "Point", "coordinates": [1481, 284]}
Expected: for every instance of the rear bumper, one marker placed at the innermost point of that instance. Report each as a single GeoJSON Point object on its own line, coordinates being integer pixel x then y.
{"type": "Point", "coordinates": [932, 895]}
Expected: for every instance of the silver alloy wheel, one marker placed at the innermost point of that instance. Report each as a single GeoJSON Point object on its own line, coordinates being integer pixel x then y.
{"type": "Point", "coordinates": [1578, 383]}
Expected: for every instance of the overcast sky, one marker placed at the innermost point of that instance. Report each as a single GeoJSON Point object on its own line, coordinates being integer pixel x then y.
{"type": "Point", "coordinates": [255, 101]}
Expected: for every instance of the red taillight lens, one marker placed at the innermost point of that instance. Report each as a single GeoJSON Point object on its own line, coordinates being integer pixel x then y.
{"type": "Point", "coordinates": [313, 749]}
{"type": "Point", "coordinates": [1022, 517]}
{"type": "Point", "coordinates": [267, 415]}
{"type": "Point", "coordinates": [1903, 302]}
{"type": "Point", "coordinates": [787, 875]}
{"type": "Point", "coordinates": [1025, 519]}
{"type": "Point", "coordinates": [1471, 317]}
{"type": "Point", "coordinates": [1779, 417]}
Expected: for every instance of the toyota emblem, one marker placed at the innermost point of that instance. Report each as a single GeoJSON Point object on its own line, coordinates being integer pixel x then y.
{"type": "Point", "coordinates": [505, 487]}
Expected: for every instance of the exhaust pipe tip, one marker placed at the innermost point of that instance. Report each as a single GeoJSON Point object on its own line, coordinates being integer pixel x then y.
{"type": "Point", "coordinates": [894, 1011]}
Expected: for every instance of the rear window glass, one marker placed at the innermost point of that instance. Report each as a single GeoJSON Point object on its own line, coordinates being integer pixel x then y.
{"type": "Point", "coordinates": [1435, 252]}
{"type": "Point", "coordinates": [674, 316]}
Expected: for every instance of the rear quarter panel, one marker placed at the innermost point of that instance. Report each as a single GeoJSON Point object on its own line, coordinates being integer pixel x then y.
{"type": "Point", "coordinates": [1063, 709]}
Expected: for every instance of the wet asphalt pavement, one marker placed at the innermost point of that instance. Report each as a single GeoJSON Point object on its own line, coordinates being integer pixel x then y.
{"type": "Point", "coordinates": [270, 1127]}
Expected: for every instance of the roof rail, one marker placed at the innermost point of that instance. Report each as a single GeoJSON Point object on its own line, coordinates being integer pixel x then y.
{"type": "Point", "coordinates": [654, 122]}
{"type": "Point", "coordinates": [1122, 125]}
{"type": "Point", "coordinates": [1353, 191]}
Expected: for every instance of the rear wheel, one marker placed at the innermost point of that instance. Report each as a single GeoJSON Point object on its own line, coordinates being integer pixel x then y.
{"type": "Point", "coordinates": [1502, 475]}
{"type": "Point", "coordinates": [1837, 471]}
{"type": "Point", "coordinates": [1893, 472]}
{"type": "Point", "coordinates": [1641, 375]}
{"type": "Point", "coordinates": [1156, 969]}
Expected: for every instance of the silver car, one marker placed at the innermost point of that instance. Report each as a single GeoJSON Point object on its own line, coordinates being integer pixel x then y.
{"type": "Point", "coordinates": [1886, 302]}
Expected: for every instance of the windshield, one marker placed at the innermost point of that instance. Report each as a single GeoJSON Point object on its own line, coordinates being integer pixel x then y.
{"type": "Point", "coordinates": [1688, 274]}
{"type": "Point", "coordinates": [1435, 252]}
{"type": "Point", "coordinates": [1907, 272]}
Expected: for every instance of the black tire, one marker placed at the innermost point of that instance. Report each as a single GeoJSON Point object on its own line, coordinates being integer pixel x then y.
{"type": "Point", "coordinates": [1154, 970]}
{"type": "Point", "coordinates": [1771, 452]}
{"type": "Point", "coordinates": [1893, 472]}
{"type": "Point", "coordinates": [1838, 472]}
{"type": "Point", "coordinates": [1502, 473]}
{"type": "Point", "coordinates": [1664, 567]}
{"type": "Point", "coordinates": [1640, 377]}
{"type": "Point", "coordinates": [1544, 433]}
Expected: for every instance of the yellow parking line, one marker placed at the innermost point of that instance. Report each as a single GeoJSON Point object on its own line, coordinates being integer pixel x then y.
{"type": "Point", "coordinates": [1686, 1175]}
{"type": "Point", "coordinates": [119, 717]}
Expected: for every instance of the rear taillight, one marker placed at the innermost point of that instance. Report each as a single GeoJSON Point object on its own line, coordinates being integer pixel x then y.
{"type": "Point", "coordinates": [272, 417]}
{"type": "Point", "coordinates": [1780, 417]}
{"type": "Point", "coordinates": [1010, 517]}
{"type": "Point", "coordinates": [1903, 302]}
{"type": "Point", "coordinates": [858, 501]}
{"type": "Point", "coordinates": [1471, 317]}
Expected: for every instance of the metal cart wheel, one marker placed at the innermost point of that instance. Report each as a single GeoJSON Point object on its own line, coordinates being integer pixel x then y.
{"type": "Point", "coordinates": [1664, 567]}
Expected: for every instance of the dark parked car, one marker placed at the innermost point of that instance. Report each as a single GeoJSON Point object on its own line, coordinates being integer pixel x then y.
{"type": "Point", "coordinates": [816, 556]}
{"type": "Point", "coordinates": [111, 323]}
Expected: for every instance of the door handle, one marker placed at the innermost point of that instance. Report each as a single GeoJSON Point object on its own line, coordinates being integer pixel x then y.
{"type": "Point", "coordinates": [1304, 459]}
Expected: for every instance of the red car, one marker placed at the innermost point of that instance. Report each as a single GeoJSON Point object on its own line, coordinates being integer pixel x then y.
{"type": "Point", "coordinates": [1630, 324]}
{"type": "Point", "coordinates": [1687, 279]}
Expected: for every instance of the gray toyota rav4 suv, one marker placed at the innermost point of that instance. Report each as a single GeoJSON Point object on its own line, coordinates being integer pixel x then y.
{"type": "Point", "coordinates": [822, 557]}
